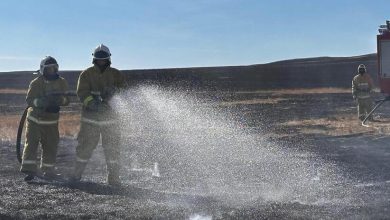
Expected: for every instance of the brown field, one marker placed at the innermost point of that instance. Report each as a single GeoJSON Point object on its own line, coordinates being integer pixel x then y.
{"type": "Point", "coordinates": [296, 150]}
{"type": "Point", "coordinates": [316, 121]}
{"type": "Point", "coordinates": [13, 91]}
{"type": "Point", "coordinates": [296, 102]}
{"type": "Point", "coordinates": [297, 91]}
{"type": "Point", "coordinates": [338, 123]}
{"type": "Point", "coordinates": [252, 101]}
{"type": "Point", "coordinates": [333, 126]}
{"type": "Point", "coordinates": [69, 126]}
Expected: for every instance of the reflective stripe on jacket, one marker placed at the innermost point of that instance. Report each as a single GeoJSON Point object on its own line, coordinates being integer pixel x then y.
{"type": "Point", "coordinates": [40, 87]}
{"type": "Point", "coordinates": [97, 122]}
{"type": "Point", "coordinates": [41, 122]}
{"type": "Point", "coordinates": [93, 83]}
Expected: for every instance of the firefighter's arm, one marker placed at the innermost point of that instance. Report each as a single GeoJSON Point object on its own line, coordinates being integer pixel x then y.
{"type": "Point", "coordinates": [60, 97]}
{"type": "Point", "coordinates": [31, 94]}
{"type": "Point", "coordinates": [354, 86]}
{"type": "Point", "coordinates": [84, 93]}
{"type": "Point", "coordinates": [83, 89]}
{"type": "Point", "coordinates": [34, 98]}
{"type": "Point", "coordinates": [65, 99]}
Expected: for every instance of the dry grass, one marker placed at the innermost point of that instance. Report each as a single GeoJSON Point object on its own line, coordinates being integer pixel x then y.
{"type": "Point", "coordinates": [8, 127]}
{"type": "Point", "coordinates": [328, 125]}
{"type": "Point", "coordinates": [326, 90]}
{"type": "Point", "coordinates": [278, 92]}
{"type": "Point", "coordinates": [339, 126]}
{"type": "Point", "coordinates": [13, 91]}
{"type": "Point", "coordinates": [253, 101]}
{"type": "Point", "coordinates": [69, 126]}
{"type": "Point", "coordinates": [311, 91]}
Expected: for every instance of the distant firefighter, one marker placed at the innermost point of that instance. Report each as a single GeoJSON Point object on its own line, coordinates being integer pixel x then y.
{"type": "Point", "coordinates": [96, 86]}
{"type": "Point", "coordinates": [362, 87]}
{"type": "Point", "coordinates": [45, 95]}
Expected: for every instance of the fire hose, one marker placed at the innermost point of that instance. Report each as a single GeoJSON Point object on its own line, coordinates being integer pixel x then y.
{"type": "Point", "coordinates": [19, 135]}
{"type": "Point", "coordinates": [378, 103]}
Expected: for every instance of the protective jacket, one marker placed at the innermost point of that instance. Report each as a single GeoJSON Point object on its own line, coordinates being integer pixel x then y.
{"type": "Point", "coordinates": [362, 86]}
{"type": "Point", "coordinates": [96, 85]}
{"type": "Point", "coordinates": [53, 92]}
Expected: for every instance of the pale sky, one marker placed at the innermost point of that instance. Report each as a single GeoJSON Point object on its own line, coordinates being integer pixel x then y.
{"type": "Point", "coordinates": [146, 34]}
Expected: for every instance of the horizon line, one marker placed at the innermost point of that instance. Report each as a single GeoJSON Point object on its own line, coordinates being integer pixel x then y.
{"type": "Point", "coordinates": [216, 66]}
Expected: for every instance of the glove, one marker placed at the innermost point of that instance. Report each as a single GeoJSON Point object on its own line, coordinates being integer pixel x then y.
{"type": "Point", "coordinates": [41, 102]}
{"type": "Point", "coordinates": [93, 105]}
{"type": "Point", "coordinates": [108, 92]}
{"type": "Point", "coordinates": [52, 109]}
{"type": "Point", "coordinates": [57, 100]}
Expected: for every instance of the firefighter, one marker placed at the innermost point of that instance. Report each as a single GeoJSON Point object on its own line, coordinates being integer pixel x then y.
{"type": "Point", "coordinates": [45, 95]}
{"type": "Point", "coordinates": [362, 87]}
{"type": "Point", "coordinates": [96, 86]}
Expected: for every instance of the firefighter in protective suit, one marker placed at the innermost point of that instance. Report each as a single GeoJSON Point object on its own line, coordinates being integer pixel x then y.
{"type": "Point", "coordinates": [45, 95]}
{"type": "Point", "coordinates": [96, 86]}
{"type": "Point", "coordinates": [362, 86]}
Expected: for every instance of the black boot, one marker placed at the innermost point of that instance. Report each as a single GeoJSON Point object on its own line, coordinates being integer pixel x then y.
{"type": "Point", "coordinates": [51, 174]}
{"type": "Point", "coordinates": [77, 172]}
{"type": "Point", "coordinates": [30, 175]}
{"type": "Point", "coordinates": [113, 178]}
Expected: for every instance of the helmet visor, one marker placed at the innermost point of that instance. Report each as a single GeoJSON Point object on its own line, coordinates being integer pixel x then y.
{"type": "Point", "coordinates": [101, 55]}
{"type": "Point", "coordinates": [49, 61]}
{"type": "Point", "coordinates": [50, 69]}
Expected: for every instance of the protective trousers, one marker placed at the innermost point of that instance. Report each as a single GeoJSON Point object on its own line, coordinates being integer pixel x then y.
{"type": "Point", "coordinates": [364, 107]}
{"type": "Point", "coordinates": [48, 135]}
{"type": "Point", "coordinates": [88, 139]}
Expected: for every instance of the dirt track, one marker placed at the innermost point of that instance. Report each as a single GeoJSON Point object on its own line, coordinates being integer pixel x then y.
{"type": "Point", "coordinates": [317, 125]}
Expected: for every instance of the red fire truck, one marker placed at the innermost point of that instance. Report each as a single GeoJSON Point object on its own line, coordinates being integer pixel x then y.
{"type": "Point", "coordinates": [383, 53]}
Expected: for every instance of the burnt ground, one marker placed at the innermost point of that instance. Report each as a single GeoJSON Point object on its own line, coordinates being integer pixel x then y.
{"type": "Point", "coordinates": [318, 125]}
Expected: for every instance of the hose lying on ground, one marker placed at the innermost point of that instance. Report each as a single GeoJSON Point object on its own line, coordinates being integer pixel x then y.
{"type": "Point", "coordinates": [19, 135]}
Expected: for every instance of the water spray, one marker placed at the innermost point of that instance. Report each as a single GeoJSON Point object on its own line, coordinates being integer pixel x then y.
{"type": "Point", "coordinates": [199, 145]}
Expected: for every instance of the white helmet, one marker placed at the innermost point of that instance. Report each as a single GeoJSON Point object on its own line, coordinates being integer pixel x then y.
{"type": "Point", "coordinates": [362, 69]}
{"type": "Point", "coordinates": [101, 52]}
{"type": "Point", "coordinates": [48, 61]}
